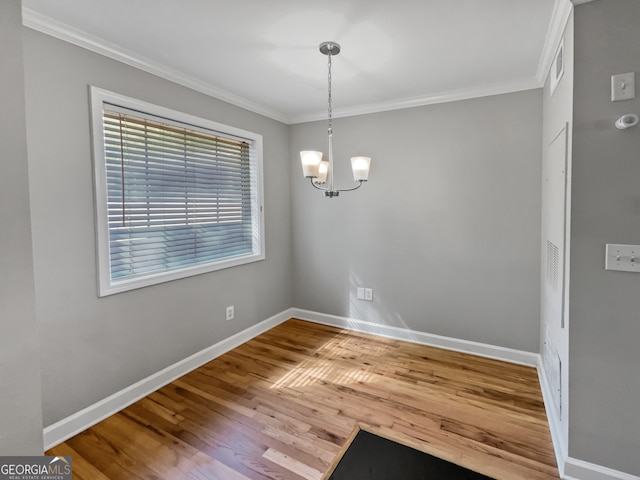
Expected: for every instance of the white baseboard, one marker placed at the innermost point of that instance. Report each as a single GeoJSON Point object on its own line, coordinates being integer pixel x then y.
{"type": "Point", "coordinates": [575, 469]}
{"type": "Point", "coordinates": [557, 438]}
{"type": "Point", "coordinates": [481, 349]}
{"type": "Point", "coordinates": [72, 425]}
{"type": "Point", "coordinates": [89, 416]}
{"type": "Point", "coordinates": [572, 468]}
{"type": "Point", "coordinates": [80, 421]}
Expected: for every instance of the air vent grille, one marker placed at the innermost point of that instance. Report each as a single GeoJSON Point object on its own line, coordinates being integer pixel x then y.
{"type": "Point", "coordinates": [553, 266]}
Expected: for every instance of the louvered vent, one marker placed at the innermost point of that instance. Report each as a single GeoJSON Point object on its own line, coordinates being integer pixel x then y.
{"type": "Point", "coordinates": [553, 265]}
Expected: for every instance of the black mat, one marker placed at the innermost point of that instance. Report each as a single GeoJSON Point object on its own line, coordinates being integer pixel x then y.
{"type": "Point", "coordinates": [370, 457]}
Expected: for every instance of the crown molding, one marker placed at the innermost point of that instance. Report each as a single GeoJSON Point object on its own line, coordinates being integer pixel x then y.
{"type": "Point", "coordinates": [559, 18]}
{"type": "Point", "coordinates": [442, 97]}
{"type": "Point", "coordinates": [80, 38]}
{"type": "Point", "coordinates": [62, 31]}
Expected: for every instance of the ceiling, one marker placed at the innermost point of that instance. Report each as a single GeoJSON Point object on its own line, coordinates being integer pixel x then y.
{"type": "Point", "coordinates": [263, 54]}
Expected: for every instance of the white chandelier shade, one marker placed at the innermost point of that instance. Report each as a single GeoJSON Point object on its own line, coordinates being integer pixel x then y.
{"type": "Point", "coordinates": [323, 171]}
{"type": "Point", "coordinates": [360, 167]}
{"type": "Point", "coordinates": [310, 163]}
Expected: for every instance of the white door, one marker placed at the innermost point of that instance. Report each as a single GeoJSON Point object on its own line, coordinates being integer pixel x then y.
{"type": "Point", "coordinates": [554, 217]}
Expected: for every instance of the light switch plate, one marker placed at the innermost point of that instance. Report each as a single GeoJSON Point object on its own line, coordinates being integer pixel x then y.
{"type": "Point", "coordinates": [624, 258]}
{"type": "Point", "coordinates": [623, 86]}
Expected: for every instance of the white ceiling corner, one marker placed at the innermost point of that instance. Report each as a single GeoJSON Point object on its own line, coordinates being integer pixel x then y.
{"type": "Point", "coordinates": [395, 54]}
{"type": "Point", "coordinates": [54, 28]}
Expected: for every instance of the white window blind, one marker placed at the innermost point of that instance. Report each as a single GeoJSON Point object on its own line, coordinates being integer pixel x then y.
{"type": "Point", "coordinates": [180, 199]}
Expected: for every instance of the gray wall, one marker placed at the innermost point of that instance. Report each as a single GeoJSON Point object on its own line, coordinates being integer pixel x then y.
{"type": "Point", "coordinates": [94, 346]}
{"type": "Point", "coordinates": [20, 399]}
{"type": "Point", "coordinates": [447, 230]}
{"type": "Point", "coordinates": [605, 320]}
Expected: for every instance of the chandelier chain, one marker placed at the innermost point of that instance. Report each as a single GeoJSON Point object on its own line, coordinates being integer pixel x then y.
{"type": "Point", "coordinates": [330, 98]}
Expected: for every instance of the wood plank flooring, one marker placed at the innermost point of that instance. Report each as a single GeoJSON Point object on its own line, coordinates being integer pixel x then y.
{"type": "Point", "coordinates": [282, 405]}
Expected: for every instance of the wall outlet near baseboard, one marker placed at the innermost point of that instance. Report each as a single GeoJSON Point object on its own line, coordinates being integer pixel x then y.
{"type": "Point", "coordinates": [364, 294]}
{"type": "Point", "coordinates": [230, 313]}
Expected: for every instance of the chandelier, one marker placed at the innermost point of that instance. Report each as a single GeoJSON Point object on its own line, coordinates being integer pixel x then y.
{"type": "Point", "coordinates": [320, 172]}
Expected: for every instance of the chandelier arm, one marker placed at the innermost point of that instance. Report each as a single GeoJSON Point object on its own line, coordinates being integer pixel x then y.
{"type": "Point", "coordinates": [315, 185]}
{"type": "Point", "coordinates": [360, 182]}
{"type": "Point", "coordinates": [337, 190]}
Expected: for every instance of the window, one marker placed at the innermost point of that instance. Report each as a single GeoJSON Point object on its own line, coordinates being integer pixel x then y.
{"type": "Point", "coordinates": [176, 195]}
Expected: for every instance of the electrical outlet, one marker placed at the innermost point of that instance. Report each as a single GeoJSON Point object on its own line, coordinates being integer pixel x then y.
{"type": "Point", "coordinates": [364, 294]}
{"type": "Point", "coordinates": [230, 313]}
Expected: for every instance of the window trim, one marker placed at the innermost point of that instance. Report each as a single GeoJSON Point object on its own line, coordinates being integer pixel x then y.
{"type": "Point", "coordinates": [106, 286]}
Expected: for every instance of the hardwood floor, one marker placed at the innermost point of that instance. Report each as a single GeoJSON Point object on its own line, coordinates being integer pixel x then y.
{"type": "Point", "coordinates": [282, 405]}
